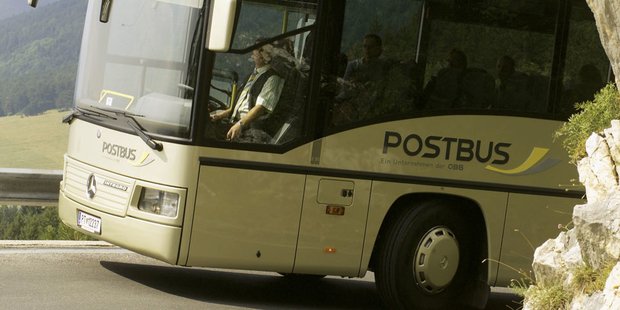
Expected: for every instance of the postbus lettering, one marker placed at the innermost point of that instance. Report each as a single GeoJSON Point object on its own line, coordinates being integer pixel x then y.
{"type": "Point", "coordinates": [459, 149]}
{"type": "Point", "coordinates": [119, 151]}
{"type": "Point", "coordinates": [412, 149]}
{"type": "Point", "coordinates": [435, 149]}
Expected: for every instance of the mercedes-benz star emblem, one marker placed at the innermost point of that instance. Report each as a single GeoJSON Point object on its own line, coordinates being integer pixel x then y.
{"type": "Point", "coordinates": [91, 186]}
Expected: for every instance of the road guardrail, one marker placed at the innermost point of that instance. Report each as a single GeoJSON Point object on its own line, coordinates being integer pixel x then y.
{"type": "Point", "coordinates": [29, 187]}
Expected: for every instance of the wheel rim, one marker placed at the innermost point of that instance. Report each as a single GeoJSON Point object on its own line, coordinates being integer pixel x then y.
{"type": "Point", "coordinates": [436, 260]}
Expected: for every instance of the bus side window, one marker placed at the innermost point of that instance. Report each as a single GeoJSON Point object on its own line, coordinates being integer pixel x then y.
{"type": "Point", "coordinates": [478, 61]}
{"type": "Point", "coordinates": [268, 106]}
{"type": "Point", "coordinates": [586, 68]}
{"type": "Point", "coordinates": [285, 122]}
{"type": "Point", "coordinates": [377, 75]}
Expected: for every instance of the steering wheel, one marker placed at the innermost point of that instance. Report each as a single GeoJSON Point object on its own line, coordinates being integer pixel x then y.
{"type": "Point", "coordinates": [216, 104]}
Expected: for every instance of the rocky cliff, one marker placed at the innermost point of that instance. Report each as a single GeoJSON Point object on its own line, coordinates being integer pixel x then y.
{"type": "Point", "coordinates": [607, 15]}
{"type": "Point", "coordinates": [590, 250]}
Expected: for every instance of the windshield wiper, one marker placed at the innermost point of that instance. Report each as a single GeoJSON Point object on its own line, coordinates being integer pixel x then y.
{"type": "Point", "coordinates": [135, 125]}
{"type": "Point", "coordinates": [87, 112]}
{"type": "Point", "coordinates": [140, 132]}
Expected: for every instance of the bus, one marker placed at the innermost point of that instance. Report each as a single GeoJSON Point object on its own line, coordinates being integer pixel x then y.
{"type": "Point", "coordinates": [408, 138]}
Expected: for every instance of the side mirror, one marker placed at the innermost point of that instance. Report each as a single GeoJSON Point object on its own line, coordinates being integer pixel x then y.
{"type": "Point", "coordinates": [221, 25]}
{"type": "Point", "coordinates": [33, 3]}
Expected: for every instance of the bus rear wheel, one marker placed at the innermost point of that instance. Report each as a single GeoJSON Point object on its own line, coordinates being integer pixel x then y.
{"type": "Point", "coordinates": [427, 258]}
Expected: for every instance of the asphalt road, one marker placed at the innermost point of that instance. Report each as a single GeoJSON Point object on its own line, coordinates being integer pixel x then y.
{"type": "Point", "coordinates": [87, 278]}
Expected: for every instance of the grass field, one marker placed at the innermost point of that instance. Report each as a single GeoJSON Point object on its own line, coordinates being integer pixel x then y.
{"type": "Point", "coordinates": [33, 142]}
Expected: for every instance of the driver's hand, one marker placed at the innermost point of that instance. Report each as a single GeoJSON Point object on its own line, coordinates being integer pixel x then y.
{"type": "Point", "coordinates": [218, 115]}
{"type": "Point", "coordinates": [234, 132]}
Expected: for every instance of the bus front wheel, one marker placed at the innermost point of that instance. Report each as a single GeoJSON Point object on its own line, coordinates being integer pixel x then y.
{"type": "Point", "coordinates": [428, 258]}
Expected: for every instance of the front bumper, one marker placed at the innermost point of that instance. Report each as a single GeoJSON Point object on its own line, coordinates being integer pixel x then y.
{"type": "Point", "coordinates": [155, 240]}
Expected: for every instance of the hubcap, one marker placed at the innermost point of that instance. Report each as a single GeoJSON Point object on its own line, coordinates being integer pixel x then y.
{"type": "Point", "coordinates": [436, 260]}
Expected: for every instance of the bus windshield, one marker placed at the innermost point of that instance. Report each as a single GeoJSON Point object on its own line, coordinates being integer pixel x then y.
{"type": "Point", "coordinates": [142, 61]}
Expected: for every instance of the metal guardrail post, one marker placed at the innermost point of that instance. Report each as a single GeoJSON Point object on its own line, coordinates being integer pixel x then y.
{"type": "Point", "coordinates": [29, 187]}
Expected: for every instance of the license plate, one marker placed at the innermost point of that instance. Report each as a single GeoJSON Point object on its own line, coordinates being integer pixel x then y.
{"type": "Point", "coordinates": [89, 222]}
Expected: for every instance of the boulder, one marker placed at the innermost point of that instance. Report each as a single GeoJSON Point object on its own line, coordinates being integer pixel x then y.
{"type": "Point", "coordinates": [597, 171]}
{"type": "Point", "coordinates": [555, 257]}
{"type": "Point", "coordinates": [597, 227]}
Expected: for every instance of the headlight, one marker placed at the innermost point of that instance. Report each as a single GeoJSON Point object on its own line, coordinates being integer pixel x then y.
{"type": "Point", "coordinates": [159, 202]}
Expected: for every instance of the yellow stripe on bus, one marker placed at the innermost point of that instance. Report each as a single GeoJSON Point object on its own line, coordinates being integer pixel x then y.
{"type": "Point", "coordinates": [537, 154]}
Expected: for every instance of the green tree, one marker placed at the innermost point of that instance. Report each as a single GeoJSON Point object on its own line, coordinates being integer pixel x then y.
{"type": "Point", "coordinates": [38, 58]}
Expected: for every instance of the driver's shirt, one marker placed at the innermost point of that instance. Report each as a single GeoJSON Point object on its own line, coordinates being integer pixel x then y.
{"type": "Point", "coordinates": [268, 97]}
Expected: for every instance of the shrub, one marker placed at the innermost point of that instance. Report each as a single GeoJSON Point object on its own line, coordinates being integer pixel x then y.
{"type": "Point", "coordinates": [35, 223]}
{"type": "Point", "coordinates": [552, 298]}
{"type": "Point", "coordinates": [588, 279]}
{"type": "Point", "coordinates": [592, 117]}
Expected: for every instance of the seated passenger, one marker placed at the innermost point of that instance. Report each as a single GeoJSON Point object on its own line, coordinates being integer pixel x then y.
{"type": "Point", "coordinates": [258, 97]}
{"type": "Point", "coordinates": [443, 90]}
{"type": "Point", "coordinates": [370, 67]}
{"type": "Point", "coordinates": [478, 89]}
{"type": "Point", "coordinates": [587, 83]}
{"type": "Point", "coordinates": [362, 82]}
{"type": "Point", "coordinates": [513, 91]}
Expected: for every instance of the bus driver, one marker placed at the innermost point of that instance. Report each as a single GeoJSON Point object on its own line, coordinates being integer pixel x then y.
{"type": "Point", "coordinates": [259, 96]}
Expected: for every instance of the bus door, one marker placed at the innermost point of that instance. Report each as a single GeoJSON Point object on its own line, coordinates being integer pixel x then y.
{"type": "Point", "coordinates": [246, 219]}
{"type": "Point", "coordinates": [332, 229]}
{"type": "Point", "coordinates": [251, 185]}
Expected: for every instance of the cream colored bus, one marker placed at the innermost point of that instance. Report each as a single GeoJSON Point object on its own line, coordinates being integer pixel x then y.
{"type": "Point", "coordinates": [409, 138]}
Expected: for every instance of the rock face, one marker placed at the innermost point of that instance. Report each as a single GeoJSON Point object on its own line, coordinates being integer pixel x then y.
{"type": "Point", "coordinates": [554, 257]}
{"type": "Point", "coordinates": [607, 15]}
{"type": "Point", "coordinates": [595, 238]}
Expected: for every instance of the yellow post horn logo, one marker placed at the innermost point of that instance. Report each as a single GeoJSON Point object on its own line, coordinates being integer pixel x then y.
{"type": "Point", "coordinates": [534, 163]}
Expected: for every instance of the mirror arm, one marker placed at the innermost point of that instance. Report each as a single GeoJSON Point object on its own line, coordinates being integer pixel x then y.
{"type": "Point", "coordinates": [104, 14]}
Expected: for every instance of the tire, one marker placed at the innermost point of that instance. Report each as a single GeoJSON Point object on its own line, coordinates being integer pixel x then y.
{"type": "Point", "coordinates": [429, 258]}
